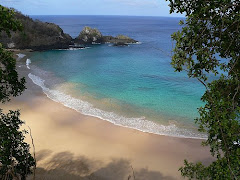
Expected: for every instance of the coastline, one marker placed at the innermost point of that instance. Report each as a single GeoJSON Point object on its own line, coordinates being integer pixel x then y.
{"type": "Point", "coordinates": [118, 111]}
{"type": "Point", "coordinates": [138, 123]}
{"type": "Point", "coordinates": [98, 144]}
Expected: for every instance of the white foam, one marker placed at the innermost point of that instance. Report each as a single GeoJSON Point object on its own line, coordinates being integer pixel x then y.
{"type": "Point", "coordinates": [135, 43]}
{"type": "Point", "coordinates": [28, 62]}
{"type": "Point", "coordinates": [20, 56]}
{"type": "Point", "coordinates": [73, 49]}
{"type": "Point", "coordinates": [86, 108]}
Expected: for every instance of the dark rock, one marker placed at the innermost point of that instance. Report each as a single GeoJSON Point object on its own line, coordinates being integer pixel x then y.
{"type": "Point", "coordinates": [120, 44]}
{"type": "Point", "coordinates": [119, 39]}
{"type": "Point", "coordinates": [77, 46]}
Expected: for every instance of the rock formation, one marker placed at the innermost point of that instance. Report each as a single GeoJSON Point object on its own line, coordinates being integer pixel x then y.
{"type": "Point", "coordinates": [120, 39]}
{"type": "Point", "coordinates": [120, 44]}
{"type": "Point", "coordinates": [89, 36]}
{"type": "Point", "coordinates": [94, 36]}
{"type": "Point", "coordinates": [37, 35]}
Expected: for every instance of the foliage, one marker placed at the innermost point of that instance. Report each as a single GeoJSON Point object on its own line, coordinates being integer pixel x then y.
{"type": "Point", "coordinates": [36, 35]}
{"type": "Point", "coordinates": [10, 85]}
{"type": "Point", "coordinates": [14, 152]}
{"type": "Point", "coordinates": [15, 159]}
{"type": "Point", "coordinates": [8, 21]}
{"type": "Point", "coordinates": [122, 37]}
{"type": "Point", "coordinates": [207, 45]}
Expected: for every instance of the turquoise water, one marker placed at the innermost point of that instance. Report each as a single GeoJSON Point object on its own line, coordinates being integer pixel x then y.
{"type": "Point", "coordinates": [131, 82]}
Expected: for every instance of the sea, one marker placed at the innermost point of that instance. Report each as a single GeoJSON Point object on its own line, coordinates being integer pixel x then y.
{"type": "Point", "coordinates": [134, 87]}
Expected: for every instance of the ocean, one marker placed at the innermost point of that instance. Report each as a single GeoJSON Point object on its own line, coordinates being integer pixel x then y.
{"type": "Point", "coordinates": [134, 86]}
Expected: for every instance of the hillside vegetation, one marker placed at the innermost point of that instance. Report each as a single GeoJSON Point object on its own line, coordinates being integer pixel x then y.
{"type": "Point", "coordinates": [36, 35]}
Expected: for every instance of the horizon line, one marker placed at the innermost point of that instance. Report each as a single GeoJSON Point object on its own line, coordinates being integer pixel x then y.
{"type": "Point", "coordinates": [102, 15]}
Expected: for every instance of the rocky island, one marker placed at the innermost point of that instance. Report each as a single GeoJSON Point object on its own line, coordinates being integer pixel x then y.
{"type": "Point", "coordinates": [94, 36]}
{"type": "Point", "coordinates": [89, 36]}
{"type": "Point", "coordinates": [40, 36]}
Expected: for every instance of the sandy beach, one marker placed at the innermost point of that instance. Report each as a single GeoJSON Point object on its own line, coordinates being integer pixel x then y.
{"type": "Point", "coordinates": [70, 145]}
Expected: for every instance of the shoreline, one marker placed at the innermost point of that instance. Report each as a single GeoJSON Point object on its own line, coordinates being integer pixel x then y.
{"type": "Point", "coordinates": [115, 123]}
{"type": "Point", "coordinates": [62, 135]}
{"type": "Point", "coordinates": [49, 93]}
{"type": "Point", "coordinates": [87, 107]}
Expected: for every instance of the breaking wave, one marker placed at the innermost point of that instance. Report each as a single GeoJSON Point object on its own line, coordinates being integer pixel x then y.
{"type": "Point", "coordinates": [87, 108]}
{"type": "Point", "coordinates": [20, 56]}
{"type": "Point", "coordinates": [28, 62]}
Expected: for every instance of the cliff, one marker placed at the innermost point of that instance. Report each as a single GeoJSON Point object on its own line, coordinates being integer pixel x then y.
{"type": "Point", "coordinates": [36, 35]}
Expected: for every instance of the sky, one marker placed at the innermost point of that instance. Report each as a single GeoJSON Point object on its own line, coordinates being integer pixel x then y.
{"type": "Point", "coordinates": [91, 7]}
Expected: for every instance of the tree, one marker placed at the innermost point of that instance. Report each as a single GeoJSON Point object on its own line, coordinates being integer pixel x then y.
{"type": "Point", "coordinates": [9, 83]}
{"type": "Point", "coordinates": [14, 153]}
{"type": "Point", "coordinates": [15, 159]}
{"type": "Point", "coordinates": [209, 44]}
{"type": "Point", "coordinates": [8, 22]}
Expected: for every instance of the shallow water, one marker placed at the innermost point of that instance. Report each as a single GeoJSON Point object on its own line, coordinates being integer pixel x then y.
{"type": "Point", "coordinates": [132, 86]}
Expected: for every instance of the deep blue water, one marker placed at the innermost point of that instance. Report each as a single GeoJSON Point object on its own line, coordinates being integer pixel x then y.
{"type": "Point", "coordinates": [130, 82]}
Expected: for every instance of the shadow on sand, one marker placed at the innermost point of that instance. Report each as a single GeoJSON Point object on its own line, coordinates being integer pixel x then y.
{"type": "Point", "coordinates": [66, 166]}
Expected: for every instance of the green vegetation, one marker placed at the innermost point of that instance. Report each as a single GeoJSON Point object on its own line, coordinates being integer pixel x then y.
{"type": "Point", "coordinates": [89, 35]}
{"type": "Point", "coordinates": [120, 36]}
{"type": "Point", "coordinates": [8, 21]}
{"type": "Point", "coordinates": [209, 45]}
{"type": "Point", "coordinates": [10, 85]}
{"type": "Point", "coordinates": [35, 34]}
{"type": "Point", "coordinates": [15, 160]}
